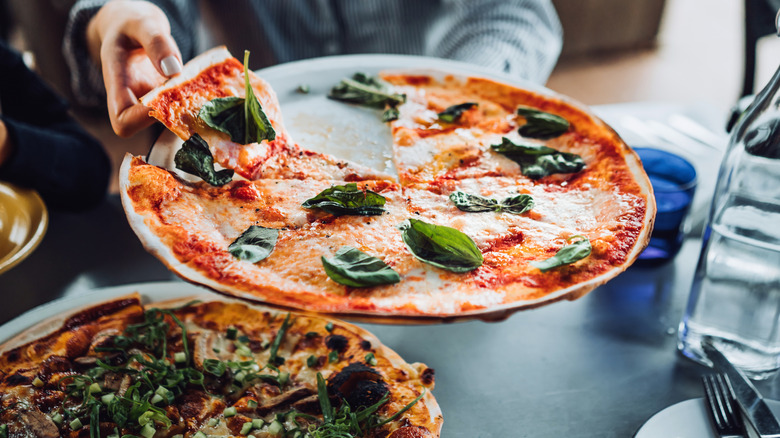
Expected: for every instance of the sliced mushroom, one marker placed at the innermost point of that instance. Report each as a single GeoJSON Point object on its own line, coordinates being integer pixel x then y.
{"type": "Point", "coordinates": [284, 400]}
{"type": "Point", "coordinates": [38, 424]}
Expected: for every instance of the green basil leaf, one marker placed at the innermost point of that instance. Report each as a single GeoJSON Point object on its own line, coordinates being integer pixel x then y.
{"type": "Point", "coordinates": [254, 244]}
{"type": "Point", "coordinates": [195, 158]}
{"type": "Point", "coordinates": [473, 203]}
{"type": "Point", "coordinates": [352, 267]}
{"type": "Point", "coordinates": [390, 114]}
{"type": "Point", "coordinates": [347, 200]}
{"type": "Point", "coordinates": [540, 124]}
{"type": "Point", "coordinates": [518, 204]}
{"type": "Point", "coordinates": [566, 255]}
{"type": "Point", "coordinates": [441, 246]}
{"type": "Point", "coordinates": [537, 161]}
{"type": "Point", "coordinates": [366, 90]}
{"type": "Point", "coordinates": [242, 119]}
{"type": "Point", "coordinates": [453, 113]}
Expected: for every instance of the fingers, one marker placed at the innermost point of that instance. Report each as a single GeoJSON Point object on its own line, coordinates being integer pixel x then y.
{"type": "Point", "coordinates": [136, 53]}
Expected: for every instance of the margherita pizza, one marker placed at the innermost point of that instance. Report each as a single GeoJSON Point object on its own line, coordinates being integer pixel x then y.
{"type": "Point", "coordinates": [505, 198]}
{"type": "Point", "coordinates": [211, 369]}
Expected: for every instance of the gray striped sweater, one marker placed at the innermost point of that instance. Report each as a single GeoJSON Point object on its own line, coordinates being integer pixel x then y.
{"type": "Point", "coordinates": [519, 37]}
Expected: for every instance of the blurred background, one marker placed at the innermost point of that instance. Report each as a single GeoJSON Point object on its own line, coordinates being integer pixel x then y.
{"type": "Point", "coordinates": [614, 51]}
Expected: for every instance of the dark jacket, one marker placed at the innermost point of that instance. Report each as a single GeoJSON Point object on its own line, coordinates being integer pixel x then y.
{"type": "Point", "coordinates": [51, 153]}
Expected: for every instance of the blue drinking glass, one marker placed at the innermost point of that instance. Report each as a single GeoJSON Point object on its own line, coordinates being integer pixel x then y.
{"type": "Point", "coordinates": [674, 183]}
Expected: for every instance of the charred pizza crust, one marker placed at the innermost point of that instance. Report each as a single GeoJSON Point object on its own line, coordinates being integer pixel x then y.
{"type": "Point", "coordinates": [39, 380]}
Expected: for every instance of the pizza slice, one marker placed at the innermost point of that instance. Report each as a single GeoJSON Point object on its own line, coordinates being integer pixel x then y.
{"type": "Point", "coordinates": [211, 91]}
{"type": "Point", "coordinates": [214, 368]}
{"type": "Point", "coordinates": [458, 128]}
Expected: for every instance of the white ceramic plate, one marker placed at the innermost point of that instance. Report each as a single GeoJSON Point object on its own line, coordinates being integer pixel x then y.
{"type": "Point", "coordinates": [687, 419]}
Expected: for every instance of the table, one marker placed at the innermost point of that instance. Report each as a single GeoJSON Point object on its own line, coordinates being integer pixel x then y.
{"type": "Point", "coordinates": [596, 367]}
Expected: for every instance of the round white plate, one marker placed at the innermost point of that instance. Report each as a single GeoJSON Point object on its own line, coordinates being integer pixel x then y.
{"type": "Point", "coordinates": [687, 419]}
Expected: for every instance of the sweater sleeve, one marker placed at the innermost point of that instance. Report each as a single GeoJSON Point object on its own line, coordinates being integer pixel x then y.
{"type": "Point", "coordinates": [86, 77]}
{"type": "Point", "coordinates": [519, 37]}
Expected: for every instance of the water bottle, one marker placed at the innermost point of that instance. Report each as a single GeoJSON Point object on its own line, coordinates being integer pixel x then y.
{"type": "Point", "coordinates": [735, 297]}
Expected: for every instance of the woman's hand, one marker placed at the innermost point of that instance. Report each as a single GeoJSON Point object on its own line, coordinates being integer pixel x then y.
{"type": "Point", "coordinates": [5, 143]}
{"type": "Point", "coordinates": [131, 41]}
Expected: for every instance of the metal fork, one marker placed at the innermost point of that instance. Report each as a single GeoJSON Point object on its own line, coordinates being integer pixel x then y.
{"type": "Point", "coordinates": [722, 407]}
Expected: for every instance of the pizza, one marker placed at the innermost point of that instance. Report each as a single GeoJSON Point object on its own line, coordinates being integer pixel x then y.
{"type": "Point", "coordinates": [216, 368]}
{"type": "Point", "coordinates": [504, 199]}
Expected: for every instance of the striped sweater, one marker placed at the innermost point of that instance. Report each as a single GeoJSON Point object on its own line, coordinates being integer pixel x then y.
{"type": "Point", "coordinates": [518, 37]}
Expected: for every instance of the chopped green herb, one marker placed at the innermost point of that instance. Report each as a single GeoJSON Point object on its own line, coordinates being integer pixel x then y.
{"type": "Point", "coordinates": [569, 254]}
{"type": "Point", "coordinates": [56, 418]}
{"type": "Point", "coordinates": [76, 424]}
{"type": "Point", "coordinates": [231, 333]}
{"type": "Point", "coordinates": [195, 158]}
{"type": "Point", "coordinates": [452, 114]}
{"type": "Point", "coordinates": [310, 335]}
{"type": "Point", "coordinates": [254, 244]}
{"type": "Point", "coordinates": [180, 357]}
{"type": "Point", "coordinates": [333, 356]}
{"type": "Point", "coordinates": [251, 403]}
{"type": "Point", "coordinates": [303, 89]}
{"type": "Point", "coordinates": [329, 326]}
{"type": "Point", "coordinates": [347, 200]}
{"type": "Point", "coordinates": [354, 268]}
{"type": "Point", "coordinates": [148, 430]}
{"type": "Point", "coordinates": [246, 428]}
{"type": "Point", "coordinates": [229, 412]}
{"type": "Point", "coordinates": [537, 161]}
{"type": "Point", "coordinates": [273, 359]}
{"type": "Point", "coordinates": [441, 246]}
{"type": "Point", "coordinates": [311, 361]}
{"type": "Point", "coordinates": [257, 423]}
{"type": "Point", "coordinates": [371, 359]}
{"type": "Point", "coordinates": [276, 428]}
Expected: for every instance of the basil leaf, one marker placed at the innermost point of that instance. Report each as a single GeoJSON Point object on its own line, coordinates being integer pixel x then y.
{"type": "Point", "coordinates": [347, 200]}
{"type": "Point", "coordinates": [537, 161]}
{"type": "Point", "coordinates": [441, 246]}
{"type": "Point", "coordinates": [473, 203]}
{"type": "Point", "coordinates": [366, 90]}
{"type": "Point", "coordinates": [254, 244]}
{"type": "Point", "coordinates": [540, 124]}
{"type": "Point", "coordinates": [390, 114]}
{"type": "Point", "coordinates": [453, 113]}
{"type": "Point", "coordinates": [195, 158]}
{"type": "Point", "coordinates": [242, 119]}
{"type": "Point", "coordinates": [352, 267]}
{"type": "Point", "coordinates": [518, 204]}
{"type": "Point", "coordinates": [566, 255]}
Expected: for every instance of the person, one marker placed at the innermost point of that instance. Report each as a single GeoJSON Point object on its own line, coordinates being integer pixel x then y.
{"type": "Point", "coordinates": [120, 49]}
{"type": "Point", "coordinates": [41, 146]}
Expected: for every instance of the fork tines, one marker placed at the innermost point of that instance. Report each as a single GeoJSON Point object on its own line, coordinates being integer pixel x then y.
{"type": "Point", "coordinates": [723, 411]}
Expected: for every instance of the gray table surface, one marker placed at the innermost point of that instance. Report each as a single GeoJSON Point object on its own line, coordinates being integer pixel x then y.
{"type": "Point", "coordinates": [596, 367]}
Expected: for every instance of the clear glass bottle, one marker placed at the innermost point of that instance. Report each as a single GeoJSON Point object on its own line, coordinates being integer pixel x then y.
{"type": "Point", "coordinates": [735, 297]}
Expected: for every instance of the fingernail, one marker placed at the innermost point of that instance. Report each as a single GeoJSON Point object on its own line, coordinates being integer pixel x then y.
{"type": "Point", "coordinates": [170, 66]}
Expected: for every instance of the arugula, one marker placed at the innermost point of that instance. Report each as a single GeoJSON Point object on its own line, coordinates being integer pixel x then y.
{"type": "Point", "coordinates": [254, 244]}
{"type": "Point", "coordinates": [441, 246]}
{"type": "Point", "coordinates": [517, 204]}
{"type": "Point", "coordinates": [537, 161]}
{"type": "Point", "coordinates": [452, 114]}
{"type": "Point", "coordinates": [352, 267]}
{"type": "Point", "coordinates": [569, 254]}
{"type": "Point", "coordinates": [540, 124]}
{"type": "Point", "coordinates": [195, 158]}
{"type": "Point", "coordinates": [347, 200]}
{"type": "Point", "coordinates": [242, 119]}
